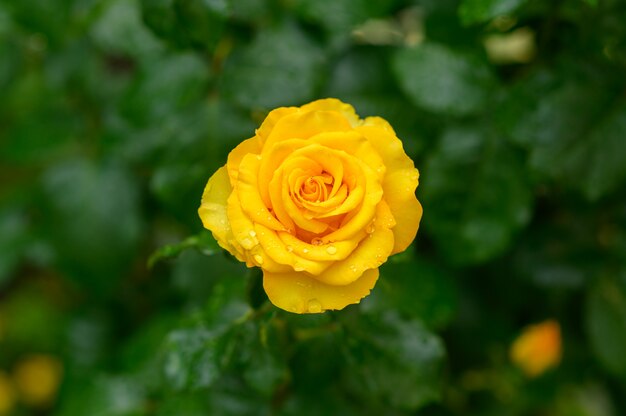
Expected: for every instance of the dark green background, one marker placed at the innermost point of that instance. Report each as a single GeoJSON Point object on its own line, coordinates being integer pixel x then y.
{"type": "Point", "coordinates": [114, 113]}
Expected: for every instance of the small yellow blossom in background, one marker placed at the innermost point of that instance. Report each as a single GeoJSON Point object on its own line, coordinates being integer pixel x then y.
{"type": "Point", "coordinates": [538, 348]}
{"type": "Point", "coordinates": [37, 379]}
{"type": "Point", "coordinates": [7, 394]}
{"type": "Point", "coordinates": [318, 199]}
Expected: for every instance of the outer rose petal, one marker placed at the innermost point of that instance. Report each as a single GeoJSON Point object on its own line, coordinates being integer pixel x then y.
{"type": "Point", "coordinates": [371, 252]}
{"type": "Point", "coordinates": [213, 213]}
{"type": "Point", "coordinates": [270, 121]}
{"type": "Point", "coordinates": [252, 145]}
{"type": "Point", "coordinates": [333, 104]}
{"type": "Point", "coordinates": [299, 293]}
{"type": "Point", "coordinates": [304, 124]}
{"type": "Point", "coordinates": [400, 181]}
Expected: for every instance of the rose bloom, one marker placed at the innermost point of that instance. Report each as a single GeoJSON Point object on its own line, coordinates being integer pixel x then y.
{"type": "Point", "coordinates": [538, 348]}
{"type": "Point", "coordinates": [318, 199]}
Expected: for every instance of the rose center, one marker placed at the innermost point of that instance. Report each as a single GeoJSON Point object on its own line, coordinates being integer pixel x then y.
{"type": "Point", "coordinates": [317, 188]}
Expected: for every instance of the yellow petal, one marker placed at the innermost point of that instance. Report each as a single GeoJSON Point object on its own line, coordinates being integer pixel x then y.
{"type": "Point", "coordinates": [401, 180]}
{"type": "Point", "coordinates": [371, 252]}
{"type": "Point", "coordinates": [361, 216]}
{"type": "Point", "coordinates": [333, 104]}
{"type": "Point", "coordinates": [355, 144]}
{"type": "Point", "coordinates": [252, 145]}
{"type": "Point", "coordinates": [270, 121]}
{"type": "Point", "coordinates": [213, 211]}
{"type": "Point", "coordinates": [287, 253]}
{"type": "Point", "coordinates": [305, 124]}
{"type": "Point", "coordinates": [245, 236]}
{"type": "Point", "coordinates": [300, 293]}
{"type": "Point", "coordinates": [248, 191]}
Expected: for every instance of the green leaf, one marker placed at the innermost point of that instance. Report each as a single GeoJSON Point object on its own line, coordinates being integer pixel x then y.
{"type": "Point", "coordinates": [92, 219]}
{"type": "Point", "coordinates": [119, 29]}
{"type": "Point", "coordinates": [418, 289]}
{"type": "Point", "coordinates": [442, 80]}
{"type": "Point", "coordinates": [104, 395]}
{"type": "Point", "coordinates": [478, 11]}
{"type": "Point", "coordinates": [29, 98]}
{"type": "Point", "coordinates": [14, 236]}
{"type": "Point", "coordinates": [280, 67]}
{"type": "Point", "coordinates": [258, 357]}
{"type": "Point", "coordinates": [606, 323]}
{"type": "Point", "coordinates": [202, 20]}
{"type": "Point", "coordinates": [393, 362]}
{"type": "Point", "coordinates": [192, 358]}
{"type": "Point", "coordinates": [340, 17]}
{"type": "Point", "coordinates": [204, 242]}
{"type": "Point", "coordinates": [474, 219]}
{"type": "Point", "coordinates": [603, 155]}
{"type": "Point", "coordinates": [573, 131]}
{"type": "Point", "coordinates": [181, 81]}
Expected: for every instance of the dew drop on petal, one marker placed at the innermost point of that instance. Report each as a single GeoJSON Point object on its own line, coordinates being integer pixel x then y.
{"type": "Point", "coordinates": [331, 250]}
{"type": "Point", "coordinates": [258, 258]}
{"type": "Point", "coordinates": [289, 248]}
{"type": "Point", "coordinates": [314, 306]}
{"type": "Point", "coordinates": [247, 243]}
{"type": "Point", "coordinates": [252, 233]}
{"type": "Point", "coordinates": [305, 250]}
{"type": "Point", "coordinates": [298, 267]}
{"type": "Point", "coordinates": [353, 268]}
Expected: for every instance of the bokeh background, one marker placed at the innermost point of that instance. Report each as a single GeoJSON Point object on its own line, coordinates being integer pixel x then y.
{"type": "Point", "coordinates": [114, 113]}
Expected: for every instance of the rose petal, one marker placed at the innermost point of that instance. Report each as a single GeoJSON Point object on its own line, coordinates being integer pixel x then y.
{"type": "Point", "coordinates": [362, 215]}
{"type": "Point", "coordinates": [244, 232]}
{"type": "Point", "coordinates": [333, 104]}
{"type": "Point", "coordinates": [213, 213]}
{"type": "Point", "coordinates": [252, 145]}
{"type": "Point", "coordinates": [270, 121]}
{"type": "Point", "coordinates": [355, 144]}
{"type": "Point", "coordinates": [285, 254]}
{"type": "Point", "coordinates": [248, 190]}
{"type": "Point", "coordinates": [299, 293]}
{"type": "Point", "coordinates": [305, 124]}
{"type": "Point", "coordinates": [400, 181]}
{"type": "Point", "coordinates": [371, 252]}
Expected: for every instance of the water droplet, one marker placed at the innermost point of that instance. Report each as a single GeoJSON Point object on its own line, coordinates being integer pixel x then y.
{"type": "Point", "coordinates": [370, 228]}
{"type": "Point", "coordinates": [331, 250]}
{"type": "Point", "coordinates": [298, 267]}
{"type": "Point", "coordinates": [252, 233]}
{"type": "Point", "coordinates": [305, 250]}
{"type": "Point", "coordinates": [247, 243]}
{"type": "Point", "coordinates": [289, 248]}
{"type": "Point", "coordinates": [258, 258]}
{"type": "Point", "coordinates": [314, 306]}
{"type": "Point", "coordinates": [353, 268]}
{"type": "Point", "coordinates": [317, 241]}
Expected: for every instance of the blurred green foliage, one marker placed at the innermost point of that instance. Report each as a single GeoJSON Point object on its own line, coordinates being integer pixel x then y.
{"type": "Point", "coordinates": [114, 113]}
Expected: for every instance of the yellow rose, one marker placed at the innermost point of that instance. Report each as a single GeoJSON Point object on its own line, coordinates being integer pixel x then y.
{"type": "Point", "coordinates": [538, 348]}
{"type": "Point", "coordinates": [318, 199]}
